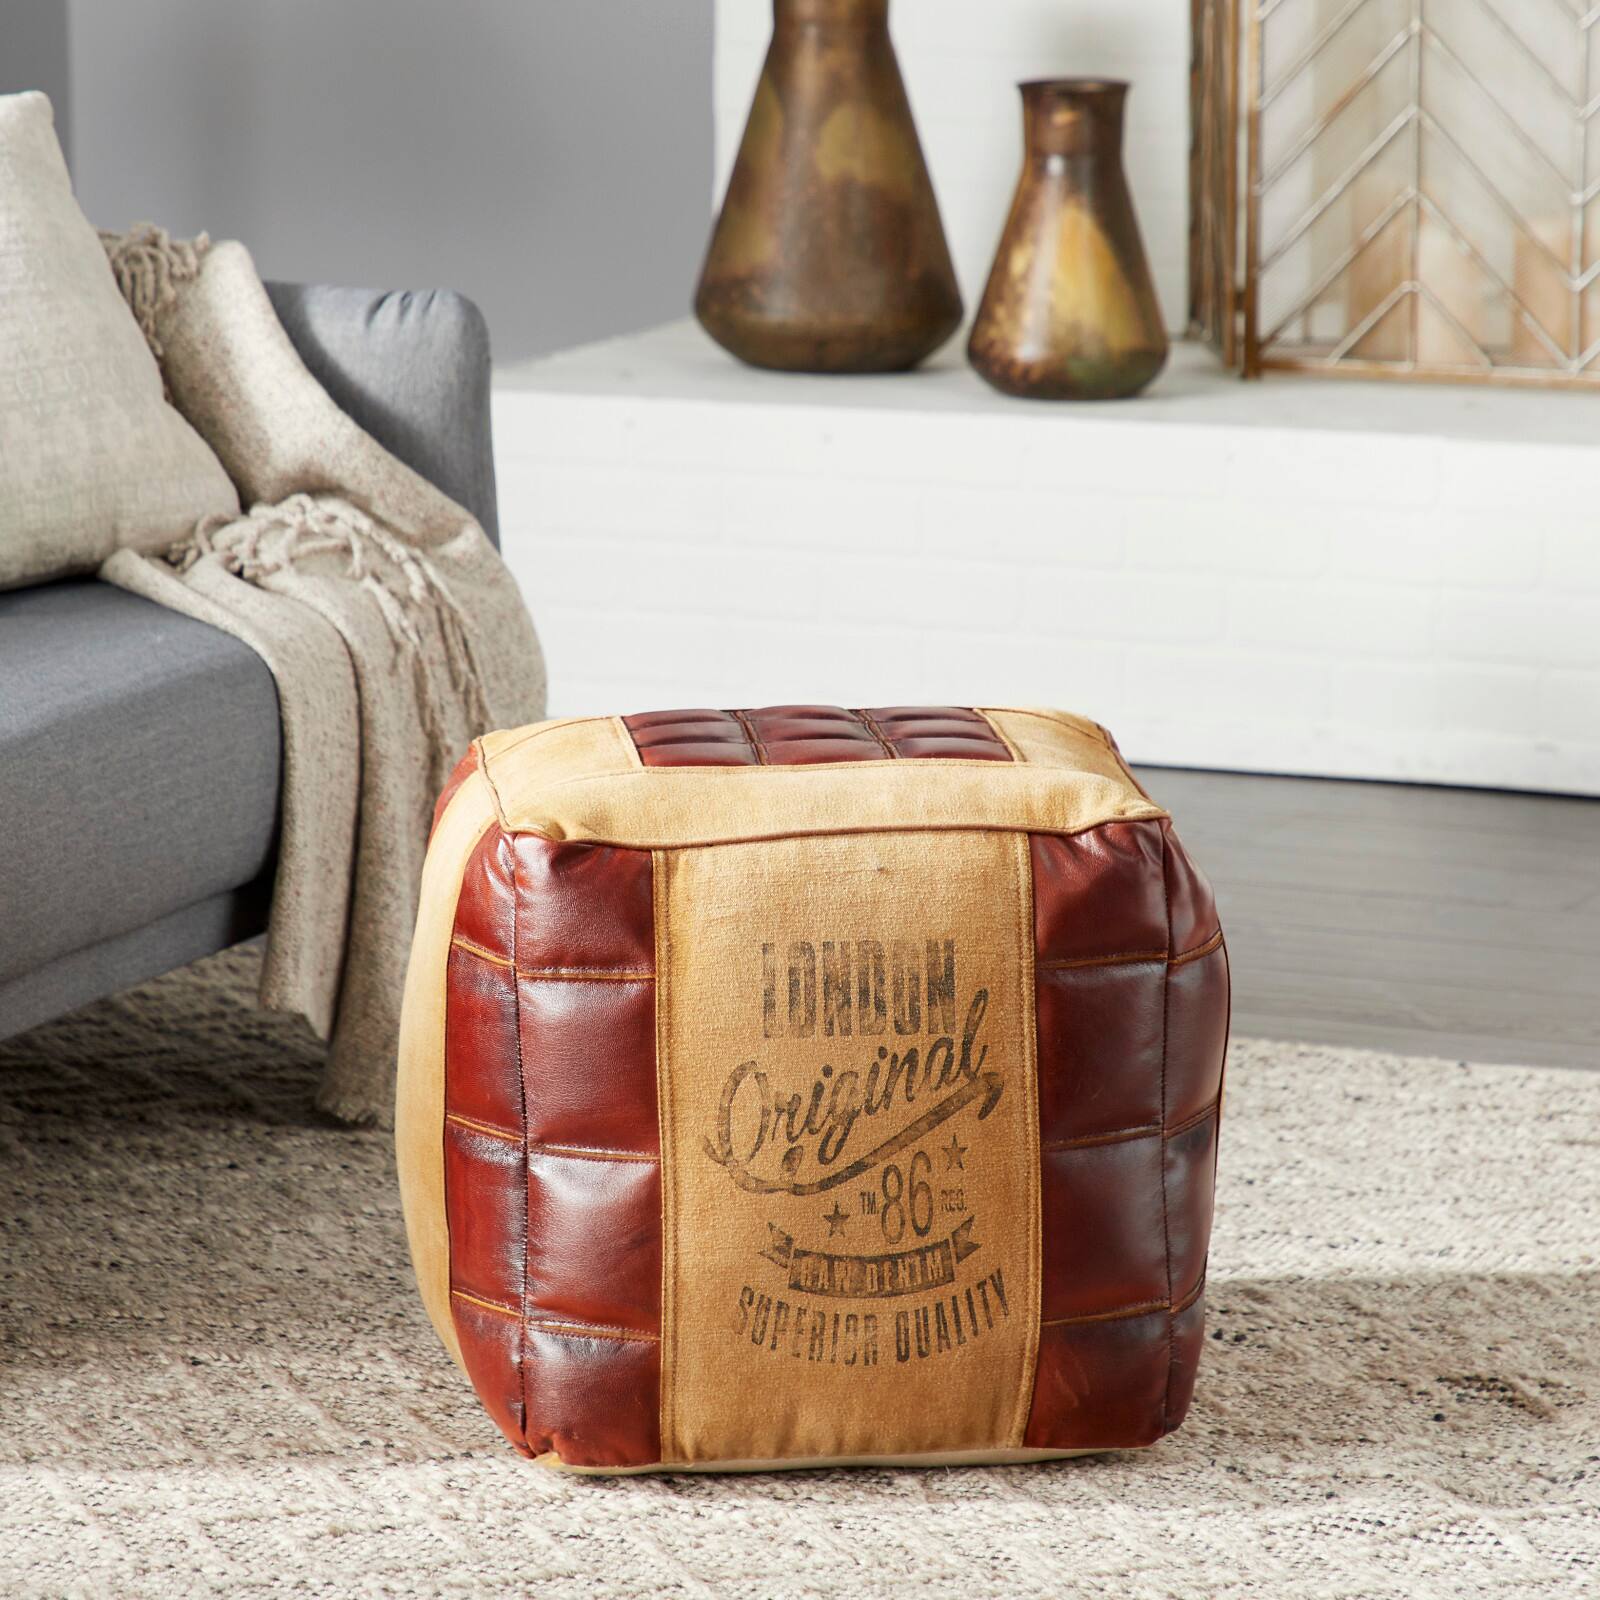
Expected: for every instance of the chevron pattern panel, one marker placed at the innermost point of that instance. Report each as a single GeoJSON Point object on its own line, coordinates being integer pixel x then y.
{"type": "Point", "coordinates": [1421, 186]}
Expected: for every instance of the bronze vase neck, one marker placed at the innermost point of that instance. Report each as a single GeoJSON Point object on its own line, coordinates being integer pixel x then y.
{"type": "Point", "coordinates": [868, 14]}
{"type": "Point", "coordinates": [1073, 117]}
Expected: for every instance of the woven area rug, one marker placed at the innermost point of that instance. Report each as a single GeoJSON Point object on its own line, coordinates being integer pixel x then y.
{"type": "Point", "coordinates": [215, 1376]}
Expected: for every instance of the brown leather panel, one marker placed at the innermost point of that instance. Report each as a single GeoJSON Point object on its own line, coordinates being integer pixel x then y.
{"type": "Point", "coordinates": [1100, 1385]}
{"type": "Point", "coordinates": [1188, 1341]}
{"type": "Point", "coordinates": [1132, 1006]}
{"type": "Point", "coordinates": [464, 769]}
{"type": "Point", "coordinates": [701, 753]}
{"type": "Point", "coordinates": [486, 910]}
{"type": "Point", "coordinates": [812, 735]}
{"type": "Point", "coordinates": [1103, 1237]}
{"type": "Point", "coordinates": [590, 1046]}
{"type": "Point", "coordinates": [892, 718]}
{"type": "Point", "coordinates": [585, 914]}
{"type": "Point", "coordinates": [1191, 1169]}
{"type": "Point", "coordinates": [1197, 1034]}
{"type": "Point", "coordinates": [584, 907]}
{"type": "Point", "coordinates": [595, 1402]}
{"type": "Point", "coordinates": [1191, 910]}
{"type": "Point", "coordinates": [484, 1184]}
{"type": "Point", "coordinates": [710, 727]}
{"type": "Point", "coordinates": [1100, 1035]}
{"type": "Point", "coordinates": [1100, 893]}
{"type": "Point", "coordinates": [486, 1205]}
{"type": "Point", "coordinates": [491, 1347]}
{"type": "Point", "coordinates": [665, 721]}
{"type": "Point", "coordinates": [949, 747]}
{"type": "Point", "coordinates": [781, 726]}
{"type": "Point", "coordinates": [550, 1016]}
{"type": "Point", "coordinates": [482, 1008]}
{"type": "Point", "coordinates": [594, 1241]}
{"type": "Point", "coordinates": [820, 751]}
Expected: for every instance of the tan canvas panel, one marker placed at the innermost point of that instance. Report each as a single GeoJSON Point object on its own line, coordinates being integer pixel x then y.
{"type": "Point", "coordinates": [583, 781]}
{"type": "Point", "coordinates": [849, 1124]}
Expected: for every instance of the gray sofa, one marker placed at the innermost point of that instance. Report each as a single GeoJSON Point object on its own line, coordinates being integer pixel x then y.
{"type": "Point", "coordinates": [139, 751]}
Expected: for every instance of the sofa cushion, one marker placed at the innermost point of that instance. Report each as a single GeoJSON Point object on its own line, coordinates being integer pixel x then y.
{"type": "Point", "coordinates": [139, 761]}
{"type": "Point", "coordinates": [91, 454]}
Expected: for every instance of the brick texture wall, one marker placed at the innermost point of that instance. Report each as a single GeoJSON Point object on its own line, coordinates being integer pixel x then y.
{"type": "Point", "coordinates": [1271, 599]}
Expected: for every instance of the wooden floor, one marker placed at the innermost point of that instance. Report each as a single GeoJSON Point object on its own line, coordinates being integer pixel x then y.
{"type": "Point", "coordinates": [1448, 922]}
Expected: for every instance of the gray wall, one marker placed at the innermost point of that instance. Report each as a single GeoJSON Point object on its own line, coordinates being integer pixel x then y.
{"type": "Point", "coordinates": [33, 55]}
{"type": "Point", "coordinates": [552, 158]}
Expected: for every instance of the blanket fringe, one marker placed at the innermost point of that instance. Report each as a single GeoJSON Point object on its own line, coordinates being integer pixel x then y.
{"type": "Point", "coordinates": [405, 586]}
{"type": "Point", "coordinates": [149, 265]}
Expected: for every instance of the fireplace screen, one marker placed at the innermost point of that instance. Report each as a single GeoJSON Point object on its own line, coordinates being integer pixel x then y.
{"type": "Point", "coordinates": [1404, 188]}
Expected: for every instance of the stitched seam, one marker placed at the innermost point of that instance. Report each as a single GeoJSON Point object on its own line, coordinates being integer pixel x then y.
{"type": "Point", "coordinates": [494, 790]}
{"type": "Point", "coordinates": [1126, 958]}
{"type": "Point", "coordinates": [487, 1305]}
{"type": "Point", "coordinates": [551, 974]}
{"type": "Point", "coordinates": [629, 740]}
{"type": "Point", "coordinates": [877, 733]}
{"type": "Point", "coordinates": [590, 1152]}
{"type": "Point", "coordinates": [831, 832]}
{"type": "Point", "coordinates": [667, 1393]}
{"type": "Point", "coordinates": [1132, 957]}
{"type": "Point", "coordinates": [541, 729]}
{"type": "Point", "coordinates": [1121, 760]}
{"type": "Point", "coordinates": [467, 947]}
{"type": "Point", "coordinates": [1166, 1228]}
{"type": "Point", "coordinates": [581, 975]}
{"type": "Point", "coordinates": [1145, 1130]}
{"type": "Point", "coordinates": [1188, 1123]}
{"type": "Point", "coordinates": [591, 1330]}
{"type": "Point", "coordinates": [1028, 1035]}
{"type": "Point", "coordinates": [527, 1198]}
{"type": "Point", "coordinates": [995, 729]}
{"type": "Point", "coordinates": [791, 770]}
{"type": "Point", "coordinates": [473, 1126]}
{"type": "Point", "coordinates": [750, 733]}
{"type": "Point", "coordinates": [1200, 951]}
{"type": "Point", "coordinates": [1122, 1314]}
{"type": "Point", "coordinates": [574, 1330]}
{"type": "Point", "coordinates": [1147, 1308]}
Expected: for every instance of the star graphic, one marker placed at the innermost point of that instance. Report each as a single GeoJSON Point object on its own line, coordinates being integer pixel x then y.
{"type": "Point", "coordinates": [835, 1219]}
{"type": "Point", "coordinates": [954, 1154]}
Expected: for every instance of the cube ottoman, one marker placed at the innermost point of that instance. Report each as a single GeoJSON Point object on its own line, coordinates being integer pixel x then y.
{"type": "Point", "coordinates": [808, 1085]}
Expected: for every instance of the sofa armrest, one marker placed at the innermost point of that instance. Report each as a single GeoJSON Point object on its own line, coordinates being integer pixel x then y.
{"type": "Point", "coordinates": [412, 367]}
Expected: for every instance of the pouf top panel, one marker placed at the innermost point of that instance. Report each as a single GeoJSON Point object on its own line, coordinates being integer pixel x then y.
{"type": "Point", "coordinates": [675, 779]}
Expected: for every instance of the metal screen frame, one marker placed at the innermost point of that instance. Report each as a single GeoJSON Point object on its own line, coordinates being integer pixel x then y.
{"type": "Point", "coordinates": [1230, 88]}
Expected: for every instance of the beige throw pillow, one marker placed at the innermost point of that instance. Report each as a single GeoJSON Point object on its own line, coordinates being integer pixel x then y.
{"type": "Point", "coordinates": [92, 457]}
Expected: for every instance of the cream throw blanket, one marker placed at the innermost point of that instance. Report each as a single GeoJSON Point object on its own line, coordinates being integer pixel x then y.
{"type": "Point", "coordinates": [394, 632]}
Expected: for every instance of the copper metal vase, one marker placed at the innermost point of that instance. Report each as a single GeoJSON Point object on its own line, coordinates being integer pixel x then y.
{"type": "Point", "coordinates": [829, 255]}
{"type": "Point", "coordinates": [1070, 311]}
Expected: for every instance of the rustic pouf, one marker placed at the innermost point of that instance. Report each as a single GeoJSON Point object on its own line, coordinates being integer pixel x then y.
{"type": "Point", "coordinates": [807, 1085]}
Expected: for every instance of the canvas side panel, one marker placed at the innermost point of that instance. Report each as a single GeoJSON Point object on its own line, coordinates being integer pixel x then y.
{"type": "Point", "coordinates": [849, 1116]}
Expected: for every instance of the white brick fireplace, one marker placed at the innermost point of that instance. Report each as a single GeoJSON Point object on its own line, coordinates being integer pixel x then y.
{"type": "Point", "coordinates": [1325, 577]}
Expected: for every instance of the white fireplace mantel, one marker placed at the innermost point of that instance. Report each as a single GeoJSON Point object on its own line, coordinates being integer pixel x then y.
{"type": "Point", "coordinates": [1299, 575]}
